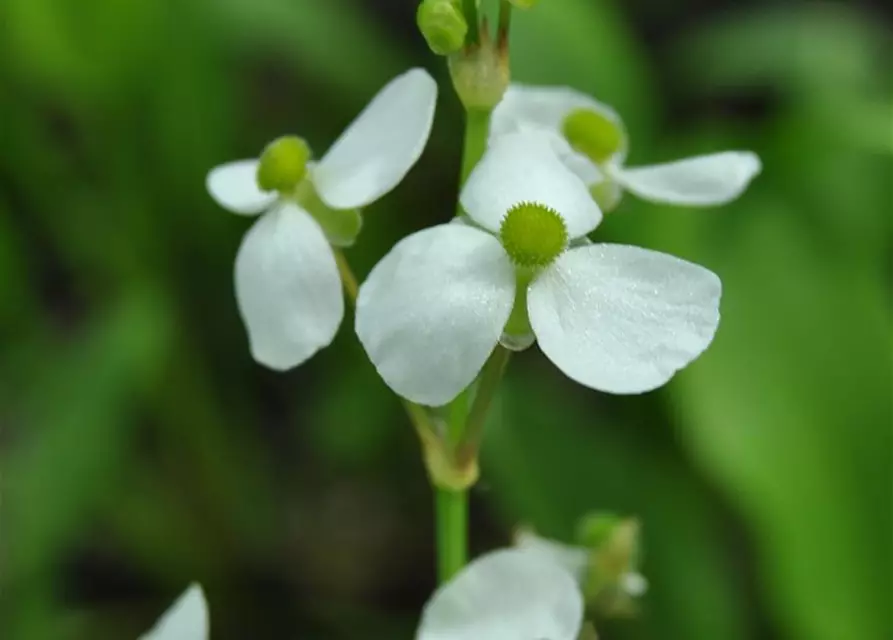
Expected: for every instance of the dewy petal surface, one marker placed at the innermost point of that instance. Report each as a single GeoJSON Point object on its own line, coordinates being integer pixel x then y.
{"type": "Point", "coordinates": [187, 619]}
{"type": "Point", "coordinates": [523, 167]}
{"type": "Point", "coordinates": [432, 310]}
{"type": "Point", "coordinates": [622, 319]}
{"type": "Point", "coordinates": [234, 187]}
{"type": "Point", "coordinates": [288, 288]}
{"type": "Point", "coordinates": [381, 145]}
{"type": "Point", "coordinates": [700, 181]}
{"type": "Point", "coordinates": [505, 595]}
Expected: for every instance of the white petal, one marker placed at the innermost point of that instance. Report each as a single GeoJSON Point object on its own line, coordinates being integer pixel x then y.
{"type": "Point", "coordinates": [523, 167]}
{"type": "Point", "coordinates": [380, 146]}
{"type": "Point", "coordinates": [505, 595]}
{"type": "Point", "coordinates": [234, 187]}
{"type": "Point", "coordinates": [187, 619]}
{"type": "Point", "coordinates": [634, 584]}
{"type": "Point", "coordinates": [703, 180]}
{"type": "Point", "coordinates": [574, 560]}
{"type": "Point", "coordinates": [623, 319]}
{"type": "Point", "coordinates": [525, 107]}
{"type": "Point", "coordinates": [432, 310]}
{"type": "Point", "coordinates": [288, 288]}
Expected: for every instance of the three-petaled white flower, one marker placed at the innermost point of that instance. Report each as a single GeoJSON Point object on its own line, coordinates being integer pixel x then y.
{"type": "Point", "coordinates": [186, 619]}
{"type": "Point", "coordinates": [592, 141]}
{"type": "Point", "coordinates": [510, 594]}
{"type": "Point", "coordinates": [615, 318]}
{"type": "Point", "coordinates": [287, 283]}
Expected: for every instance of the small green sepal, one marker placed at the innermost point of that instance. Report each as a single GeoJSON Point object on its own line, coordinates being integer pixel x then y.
{"type": "Point", "coordinates": [480, 75]}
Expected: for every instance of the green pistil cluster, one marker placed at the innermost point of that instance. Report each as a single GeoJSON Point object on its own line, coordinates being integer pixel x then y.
{"type": "Point", "coordinates": [533, 235]}
{"type": "Point", "coordinates": [283, 164]}
{"type": "Point", "coordinates": [593, 134]}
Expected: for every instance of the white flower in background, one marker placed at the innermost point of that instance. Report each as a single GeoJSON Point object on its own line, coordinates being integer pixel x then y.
{"type": "Point", "coordinates": [287, 284]}
{"type": "Point", "coordinates": [505, 595]}
{"type": "Point", "coordinates": [612, 317]}
{"type": "Point", "coordinates": [591, 139]}
{"type": "Point", "coordinates": [187, 619]}
{"type": "Point", "coordinates": [576, 560]}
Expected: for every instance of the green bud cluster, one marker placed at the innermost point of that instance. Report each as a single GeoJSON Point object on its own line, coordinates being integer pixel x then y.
{"type": "Point", "coordinates": [593, 134]}
{"type": "Point", "coordinates": [443, 24]}
{"type": "Point", "coordinates": [283, 164]}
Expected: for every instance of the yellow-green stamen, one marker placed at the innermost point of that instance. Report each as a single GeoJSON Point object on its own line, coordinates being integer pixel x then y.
{"type": "Point", "coordinates": [533, 234]}
{"type": "Point", "coordinates": [283, 164]}
{"type": "Point", "coordinates": [593, 134]}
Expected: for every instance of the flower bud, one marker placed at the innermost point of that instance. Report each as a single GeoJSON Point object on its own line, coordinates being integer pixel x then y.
{"type": "Point", "coordinates": [283, 164]}
{"type": "Point", "coordinates": [612, 583]}
{"type": "Point", "coordinates": [594, 134]}
{"type": "Point", "coordinates": [480, 75]}
{"type": "Point", "coordinates": [443, 25]}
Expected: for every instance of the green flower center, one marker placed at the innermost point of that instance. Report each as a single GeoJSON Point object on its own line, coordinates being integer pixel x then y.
{"type": "Point", "coordinates": [593, 134]}
{"type": "Point", "coordinates": [533, 234]}
{"type": "Point", "coordinates": [283, 164]}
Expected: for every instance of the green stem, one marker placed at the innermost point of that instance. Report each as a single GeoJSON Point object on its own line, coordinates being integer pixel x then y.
{"type": "Point", "coordinates": [477, 129]}
{"type": "Point", "coordinates": [452, 533]}
{"type": "Point", "coordinates": [488, 383]}
{"type": "Point", "coordinates": [470, 9]}
{"type": "Point", "coordinates": [505, 22]}
{"type": "Point", "coordinates": [452, 505]}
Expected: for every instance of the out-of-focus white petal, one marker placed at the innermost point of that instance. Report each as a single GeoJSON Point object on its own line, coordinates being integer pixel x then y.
{"type": "Point", "coordinates": [634, 584]}
{"type": "Point", "coordinates": [432, 310]}
{"type": "Point", "coordinates": [526, 106]}
{"type": "Point", "coordinates": [523, 167]}
{"type": "Point", "coordinates": [574, 560]}
{"type": "Point", "coordinates": [381, 145]}
{"type": "Point", "coordinates": [623, 319]}
{"type": "Point", "coordinates": [505, 595]}
{"type": "Point", "coordinates": [288, 288]}
{"type": "Point", "coordinates": [187, 619]}
{"type": "Point", "coordinates": [699, 181]}
{"type": "Point", "coordinates": [234, 187]}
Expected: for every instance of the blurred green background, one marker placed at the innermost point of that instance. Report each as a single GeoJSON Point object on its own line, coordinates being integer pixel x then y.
{"type": "Point", "coordinates": [142, 448]}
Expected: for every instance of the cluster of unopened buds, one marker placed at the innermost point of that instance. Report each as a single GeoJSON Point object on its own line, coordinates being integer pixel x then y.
{"type": "Point", "coordinates": [515, 267]}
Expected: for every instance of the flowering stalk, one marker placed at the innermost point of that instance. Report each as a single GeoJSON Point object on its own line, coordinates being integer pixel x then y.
{"type": "Point", "coordinates": [464, 427]}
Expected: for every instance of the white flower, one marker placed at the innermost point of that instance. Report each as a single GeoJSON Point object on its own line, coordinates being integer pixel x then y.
{"type": "Point", "coordinates": [187, 619]}
{"type": "Point", "coordinates": [505, 595]}
{"type": "Point", "coordinates": [700, 181]}
{"type": "Point", "coordinates": [612, 317]}
{"type": "Point", "coordinates": [576, 561]}
{"type": "Point", "coordinates": [287, 284]}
